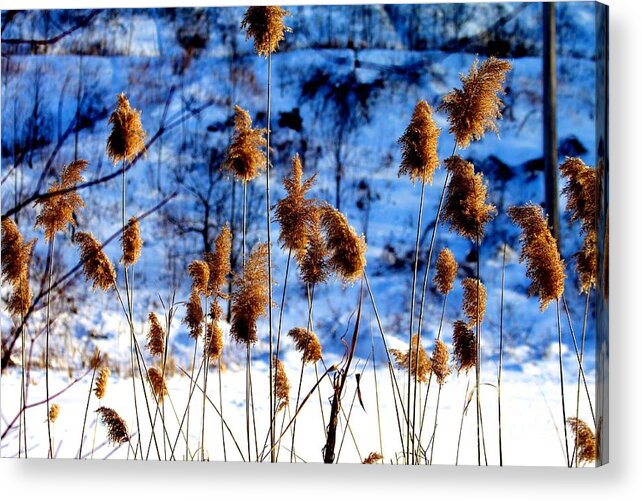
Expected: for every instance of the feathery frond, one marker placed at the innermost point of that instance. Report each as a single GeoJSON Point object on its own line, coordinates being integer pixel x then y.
{"type": "Point", "coordinates": [419, 145]}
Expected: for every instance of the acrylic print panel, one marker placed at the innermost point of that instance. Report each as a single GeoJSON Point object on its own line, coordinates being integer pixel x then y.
{"type": "Point", "coordinates": [422, 278]}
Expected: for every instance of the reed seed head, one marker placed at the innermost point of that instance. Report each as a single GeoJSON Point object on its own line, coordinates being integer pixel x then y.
{"type": "Point", "coordinates": [464, 346]}
{"type": "Point", "coordinates": [446, 267]}
{"type": "Point", "coordinates": [469, 300]}
{"type": "Point", "coordinates": [100, 388]}
{"type": "Point", "coordinates": [127, 137]}
{"type": "Point", "coordinates": [580, 192]}
{"type": "Point", "coordinates": [585, 438]}
{"type": "Point", "coordinates": [265, 25]}
{"type": "Point", "coordinates": [214, 340]}
{"type": "Point", "coordinates": [372, 458]}
{"type": "Point", "coordinates": [473, 109]}
{"type": "Point", "coordinates": [117, 432]}
{"type": "Point", "coordinates": [16, 260]}
{"type": "Point", "coordinates": [347, 250]}
{"type": "Point", "coordinates": [96, 265]}
{"type": "Point", "coordinates": [408, 360]}
{"type": "Point", "coordinates": [54, 410]}
{"type": "Point", "coordinates": [245, 158]}
{"type": "Point", "coordinates": [281, 385]}
{"type": "Point", "coordinates": [250, 299]}
{"type": "Point", "coordinates": [200, 273]}
{"type": "Point", "coordinates": [131, 242]}
{"type": "Point", "coordinates": [157, 382]}
{"type": "Point", "coordinates": [62, 202]}
{"type": "Point", "coordinates": [465, 207]}
{"type": "Point", "coordinates": [155, 336]}
{"type": "Point", "coordinates": [586, 262]}
{"type": "Point", "coordinates": [194, 314]}
{"type": "Point", "coordinates": [439, 361]}
{"type": "Point", "coordinates": [218, 261]}
{"type": "Point", "coordinates": [419, 157]}
{"type": "Point", "coordinates": [307, 343]}
{"type": "Point", "coordinates": [544, 266]}
{"type": "Point", "coordinates": [313, 263]}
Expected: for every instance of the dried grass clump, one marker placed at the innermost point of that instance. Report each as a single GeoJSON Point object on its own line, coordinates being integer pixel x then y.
{"type": "Point", "coordinates": [586, 262]}
{"type": "Point", "coordinates": [157, 382]}
{"type": "Point", "coordinates": [419, 157]}
{"type": "Point", "coordinates": [465, 207]}
{"type": "Point", "coordinates": [469, 300]}
{"type": "Point", "coordinates": [54, 410]}
{"type": "Point", "coordinates": [194, 315]}
{"type": "Point", "coordinates": [265, 26]}
{"type": "Point", "coordinates": [16, 259]}
{"type": "Point", "coordinates": [407, 361]}
{"type": "Point", "coordinates": [464, 346]}
{"type": "Point", "coordinates": [100, 388]}
{"type": "Point", "coordinates": [473, 109]}
{"type": "Point", "coordinates": [313, 263]}
{"type": "Point", "coordinates": [307, 343]}
{"type": "Point", "coordinates": [245, 157]}
{"type": "Point", "coordinates": [127, 137]}
{"type": "Point", "coordinates": [347, 251]}
{"type": "Point", "coordinates": [373, 457]}
{"type": "Point", "coordinates": [117, 432]}
{"type": "Point", "coordinates": [131, 242]}
{"type": "Point", "coordinates": [544, 266]}
{"type": "Point", "coordinates": [585, 439]}
{"type": "Point", "coordinates": [439, 361]}
{"type": "Point", "coordinates": [96, 265]}
{"type": "Point", "coordinates": [155, 336]}
{"type": "Point", "coordinates": [281, 385]}
{"type": "Point", "coordinates": [63, 201]}
{"type": "Point", "coordinates": [218, 261]}
{"type": "Point", "coordinates": [250, 299]}
{"type": "Point", "coordinates": [214, 340]}
{"type": "Point", "coordinates": [294, 212]}
{"type": "Point", "coordinates": [446, 267]}
{"type": "Point", "coordinates": [200, 273]}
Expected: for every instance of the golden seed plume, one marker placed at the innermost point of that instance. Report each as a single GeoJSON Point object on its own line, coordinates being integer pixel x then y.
{"type": "Point", "coordinates": [439, 361]}
{"type": "Point", "coordinates": [127, 137]}
{"type": "Point", "coordinates": [465, 207]}
{"type": "Point", "coordinates": [54, 410]}
{"type": "Point", "coordinates": [464, 346]}
{"type": "Point", "coordinates": [100, 388]}
{"type": "Point", "coordinates": [294, 212]}
{"type": "Point", "coordinates": [155, 336]}
{"type": "Point", "coordinates": [117, 432]}
{"type": "Point", "coordinates": [265, 26]}
{"type": "Point", "coordinates": [218, 261]}
{"type": "Point", "coordinates": [214, 340]}
{"type": "Point", "coordinates": [194, 314]}
{"type": "Point", "coordinates": [16, 260]}
{"type": "Point", "coordinates": [200, 273]}
{"type": "Point", "coordinates": [544, 266]}
{"type": "Point", "coordinates": [281, 385]}
{"type": "Point", "coordinates": [373, 457]}
{"type": "Point", "coordinates": [307, 343]}
{"type": "Point", "coordinates": [131, 242]}
{"type": "Point", "coordinates": [446, 271]}
{"type": "Point", "coordinates": [419, 145]}
{"type": "Point", "coordinates": [347, 250]}
{"type": "Point", "coordinates": [313, 263]}
{"type": "Point", "coordinates": [245, 157]}
{"type": "Point", "coordinates": [586, 262]}
{"type": "Point", "coordinates": [473, 109]}
{"type": "Point", "coordinates": [96, 359]}
{"type": "Point", "coordinates": [469, 300]}
{"type": "Point", "coordinates": [157, 382]}
{"type": "Point", "coordinates": [407, 361]}
{"type": "Point", "coordinates": [59, 208]}
{"type": "Point", "coordinates": [250, 299]}
{"type": "Point", "coordinates": [586, 443]}
{"type": "Point", "coordinates": [96, 265]}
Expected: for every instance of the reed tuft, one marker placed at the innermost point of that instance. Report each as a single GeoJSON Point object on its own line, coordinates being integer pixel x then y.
{"type": "Point", "coordinates": [544, 266]}
{"type": "Point", "coordinates": [218, 261]}
{"type": "Point", "coordinates": [245, 158]}
{"type": "Point", "coordinates": [419, 145]}
{"type": "Point", "coordinates": [131, 242]}
{"type": "Point", "coordinates": [117, 432]}
{"type": "Point", "coordinates": [439, 361]}
{"type": "Point", "coordinates": [313, 263]}
{"type": "Point", "coordinates": [54, 410]}
{"type": "Point", "coordinates": [281, 385]}
{"type": "Point", "coordinates": [307, 343]}
{"type": "Point", "coordinates": [157, 382]}
{"type": "Point", "coordinates": [214, 340]}
{"type": "Point", "coordinates": [446, 271]}
{"type": "Point", "coordinates": [408, 361]}
{"type": "Point", "coordinates": [372, 458]}
{"type": "Point", "coordinates": [586, 443]}
{"type": "Point", "coordinates": [16, 260]}
{"type": "Point", "coordinates": [473, 109]}
{"type": "Point", "coordinates": [155, 336]}
{"type": "Point", "coordinates": [469, 300]}
{"type": "Point", "coordinates": [127, 137]}
{"type": "Point", "coordinates": [465, 207]}
{"type": "Point", "coordinates": [265, 25]}
{"type": "Point", "coordinates": [464, 346]}
{"type": "Point", "coordinates": [96, 265]}
{"type": "Point", "coordinates": [100, 388]}
{"type": "Point", "coordinates": [194, 314]}
{"type": "Point", "coordinates": [199, 271]}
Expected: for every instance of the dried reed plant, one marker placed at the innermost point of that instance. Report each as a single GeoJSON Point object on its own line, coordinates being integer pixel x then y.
{"type": "Point", "coordinates": [117, 432]}
{"type": "Point", "coordinates": [465, 207]}
{"type": "Point", "coordinates": [96, 265]}
{"type": "Point", "coordinates": [439, 361]}
{"type": "Point", "coordinates": [218, 261]}
{"type": "Point", "coordinates": [372, 458]}
{"type": "Point", "coordinates": [281, 386]}
{"type": "Point", "coordinates": [419, 145]}
{"type": "Point", "coordinates": [313, 263]}
{"type": "Point", "coordinates": [307, 344]}
{"type": "Point", "coordinates": [472, 310]}
{"type": "Point", "coordinates": [347, 250]}
{"type": "Point", "coordinates": [473, 109]}
{"type": "Point", "coordinates": [127, 137]}
{"type": "Point", "coordinates": [585, 440]}
{"type": "Point", "coordinates": [131, 242]}
{"type": "Point", "coordinates": [245, 158]}
{"type": "Point", "coordinates": [194, 315]}
{"type": "Point", "coordinates": [544, 266]}
{"type": "Point", "coordinates": [16, 261]}
{"type": "Point", "coordinates": [155, 336]}
{"type": "Point", "coordinates": [199, 271]}
{"type": "Point", "coordinates": [464, 346]}
{"type": "Point", "coordinates": [214, 340]}
{"type": "Point", "coordinates": [408, 360]}
{"type": "Point", "coordinates": [265, 25]}
{"type": "Point", "coordinates": [54, 411]}
{"type": "Point", "coordinates": [446, 271]}
{"type": "Point", "coordinates": [100, 388]}
{"type": "Point", "coordinates": [157, 383]}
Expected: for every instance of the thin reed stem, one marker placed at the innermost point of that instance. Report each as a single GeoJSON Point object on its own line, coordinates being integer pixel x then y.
{"type": "Point", "coordinates": [374, 372]}
{"type": "Point", "coordinates": [461, 423]}
{"type": "Point", "coordinates": [84, 421]}
{"type": "Point", "coordinates": [47, 335]}
{"type": "Point", "coordinates": [434, 429]}
{"type": "Point", "coordinates": [559, 350]}
{"type": "Point", "coordinates": [189, 400]}
{"type": "Point", "coordinates": [501, 357]}
{"type": "Point", "coordinates": [220, 404]}
{"type": "Point", "coordinates": [577, 402]}
{"type": "Point", "coordinates": [206, 359]}
{"type": "Point", "coordinates": [478, 357]}
{"type": "Point", "coordinates": [24, 383]}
